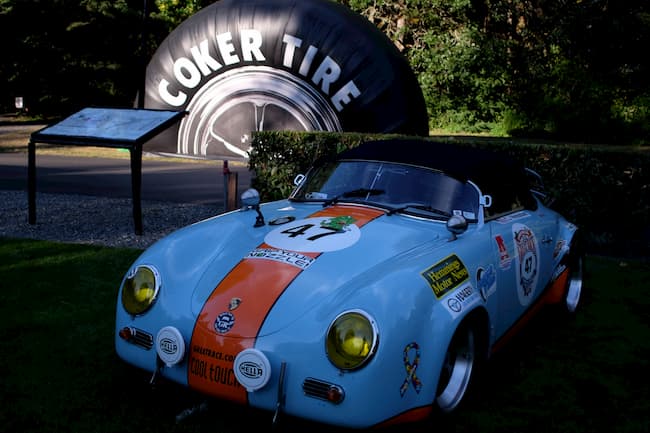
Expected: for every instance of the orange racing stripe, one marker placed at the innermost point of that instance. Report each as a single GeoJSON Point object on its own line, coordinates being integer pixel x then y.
{"type": "Point", "coordinates": [258, 284]}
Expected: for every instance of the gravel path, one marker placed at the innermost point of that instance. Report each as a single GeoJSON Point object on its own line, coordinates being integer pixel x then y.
{"type": "Point", "coordinates": [87, 219]}
{"type": "Point", "coordinates": [94, 220]}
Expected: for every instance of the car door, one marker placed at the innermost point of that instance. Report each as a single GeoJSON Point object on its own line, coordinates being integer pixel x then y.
{"type": "Point", "coordinates": [522, 247]}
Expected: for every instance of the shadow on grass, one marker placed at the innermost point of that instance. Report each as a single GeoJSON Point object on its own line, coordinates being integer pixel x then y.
{"type": "Point", "coordinates": [61, 373]}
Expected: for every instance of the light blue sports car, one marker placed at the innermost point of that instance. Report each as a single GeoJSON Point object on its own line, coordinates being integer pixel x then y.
{"type": "Point", "coordinates": [369, 297]}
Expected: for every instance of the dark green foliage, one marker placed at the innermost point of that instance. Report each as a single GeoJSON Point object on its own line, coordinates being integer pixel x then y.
{"type": "Point", "coordinates": [563, 70]}
{"type": "Point", "coordinates": [605, 190]}
{"type": "Point", "coordinates": [573, 71]}
{"type": "Point", "coordinates": [277, 157]}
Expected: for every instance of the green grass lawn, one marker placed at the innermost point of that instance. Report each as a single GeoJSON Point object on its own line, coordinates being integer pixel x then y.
{"type": "Point", "coordinates": [60, 371]}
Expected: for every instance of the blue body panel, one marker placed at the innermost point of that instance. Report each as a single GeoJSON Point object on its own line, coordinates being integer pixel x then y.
{"type": "Point", "coordinates": [383, 273]}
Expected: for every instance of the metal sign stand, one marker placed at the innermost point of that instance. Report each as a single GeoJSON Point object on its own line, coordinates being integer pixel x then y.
{"type": "Point", "coordinates": [103, 127]}
{"type": "Point", "coordinates": [230, 184]}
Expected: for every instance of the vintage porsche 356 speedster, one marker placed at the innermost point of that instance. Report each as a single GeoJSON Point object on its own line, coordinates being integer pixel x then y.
{"type": "Point", "coordinates": [369, 296]}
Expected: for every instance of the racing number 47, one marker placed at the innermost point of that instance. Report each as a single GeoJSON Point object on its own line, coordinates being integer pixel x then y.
{"type": "Point", "coordinates": [303, 229]}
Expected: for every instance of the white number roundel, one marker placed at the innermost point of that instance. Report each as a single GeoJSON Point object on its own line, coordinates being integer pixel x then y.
{"type": "Point", "coordinates": [315, 235]}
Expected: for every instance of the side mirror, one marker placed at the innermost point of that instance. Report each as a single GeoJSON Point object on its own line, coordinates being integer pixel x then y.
{"type": "Point", "coordinates": [250, 198]}
{"type": "Point", "coordinates": [456, 225]}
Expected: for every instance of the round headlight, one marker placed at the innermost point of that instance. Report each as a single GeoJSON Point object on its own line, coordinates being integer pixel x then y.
{"type": "Point", "coordinates": [351, 340]}
{"type": "Point", "coordinates": [140, 289]}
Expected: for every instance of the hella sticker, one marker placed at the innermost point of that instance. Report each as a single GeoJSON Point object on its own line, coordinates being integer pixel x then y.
{"type": "Point", "coordinates": [252, 369]}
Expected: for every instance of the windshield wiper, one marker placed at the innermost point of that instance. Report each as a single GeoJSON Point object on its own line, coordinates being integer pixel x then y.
{"type": "Point", "coordinates": [421, 207]}
{"type": "Point", "coordinates": [359, 192]}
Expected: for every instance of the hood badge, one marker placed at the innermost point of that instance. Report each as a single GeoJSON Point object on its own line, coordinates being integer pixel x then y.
{"type": "Point", "coordinates": [234, 303]}
{"type": "Point", "coordinates": [224, 322]}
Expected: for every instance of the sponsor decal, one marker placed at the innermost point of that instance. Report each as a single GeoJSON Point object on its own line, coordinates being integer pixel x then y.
{"type": "Point", "coordinates": [560, 247]}
{"type": "Point", "coordinates": [337, 223]}
{"type": "Point", "coordinates": [486, 281]}
{"type": "Point", "coordinates": [461, 299]}
{"type": "Point", "coordinates": [213, 373]}
{"type": "Point", "coordinates": [251, 370]}
{"type": "Point", "coordinates": [168, 346]}
{"type": "Point", "coordinates": [411, 378]}
{"type": "Point", "coordinates": [213, 354]}
{"type": "Point", "coordinates": [318, 235]}
{"type": "Point", "coordinates": [283, 256]}
{"type": "Point", "coordinates": [224, 322]}
{"type": "Point", "coordinates": [512, 217]}
{"type": "Point", "coordinates": [504, 257]}
{"type": "Point", "coordinates": [527, 256]}
{"type": "Point", "coordinates": [246, 48]}
{"type": "Point", "coordinates": [446, 275]}
{"type": "Point", "coordinates": [454, 305]}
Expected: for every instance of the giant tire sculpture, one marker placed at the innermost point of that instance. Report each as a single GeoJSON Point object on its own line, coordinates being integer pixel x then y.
{"type": "Point", "coordinates": [240, 66]}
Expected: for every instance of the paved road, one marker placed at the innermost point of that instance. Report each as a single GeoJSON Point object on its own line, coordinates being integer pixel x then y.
{"type": "Point", "coordinates": [164, 179]}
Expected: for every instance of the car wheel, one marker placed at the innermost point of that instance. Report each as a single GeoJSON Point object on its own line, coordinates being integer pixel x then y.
{"type": "Point", "coordinates": [573, 292]}
{"type": "Point", "coordinates": [458, 369]}
{"type": "Point", "coordinates": [238, 67]}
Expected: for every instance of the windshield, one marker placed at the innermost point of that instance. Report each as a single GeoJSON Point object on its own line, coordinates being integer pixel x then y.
{"type": "Point", "coordinates": [397, 187]}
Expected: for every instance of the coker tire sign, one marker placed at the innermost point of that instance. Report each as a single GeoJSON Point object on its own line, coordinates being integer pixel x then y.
{"type": "Point", "coordinates": [240, 66]}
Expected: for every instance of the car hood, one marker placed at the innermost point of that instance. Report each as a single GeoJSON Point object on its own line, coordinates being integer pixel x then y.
{"type": "Point", "coordinates": [301, 258]}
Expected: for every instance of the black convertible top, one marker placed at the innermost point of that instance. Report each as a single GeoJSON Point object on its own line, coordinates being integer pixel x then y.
{"type": "Point", "coordinates": [488, 169]}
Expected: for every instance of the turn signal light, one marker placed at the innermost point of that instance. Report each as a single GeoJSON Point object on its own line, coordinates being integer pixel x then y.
{"type": "Point", "coordinates": [126, 333]}
{"type": "Point", "coordinates": [335, 394]}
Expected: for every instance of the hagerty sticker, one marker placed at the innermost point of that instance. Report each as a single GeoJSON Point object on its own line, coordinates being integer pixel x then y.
{"type": "Point", "coordinates": [461, 299]}
{"type": "Point", "coordinates": [446, 275]}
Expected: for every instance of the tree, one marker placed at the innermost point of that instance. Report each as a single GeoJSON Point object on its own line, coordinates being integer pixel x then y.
{"type": "Point", "coordinates": [571, 69]}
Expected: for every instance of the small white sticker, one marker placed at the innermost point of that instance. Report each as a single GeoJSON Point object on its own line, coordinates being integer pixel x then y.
{"type": "Point", "coordinates": [460, 299]}
{"type": "Point", "coordinates": [283, 256]}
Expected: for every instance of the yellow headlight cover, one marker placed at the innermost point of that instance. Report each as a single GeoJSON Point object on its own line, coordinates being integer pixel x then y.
{"type": "Point", "coordinates": [140, 289]}
{"type": "Point", "coordinates": [351, 340]}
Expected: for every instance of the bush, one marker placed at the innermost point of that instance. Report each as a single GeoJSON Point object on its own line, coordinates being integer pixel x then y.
{"type": "Point", "coordinates": [605, 190]}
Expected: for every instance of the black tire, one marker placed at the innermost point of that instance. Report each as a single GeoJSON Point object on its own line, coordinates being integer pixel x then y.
{"type": "Point", "coordinates": [240, 66]}
{"type": "Point", "coordinates": [459, 369]}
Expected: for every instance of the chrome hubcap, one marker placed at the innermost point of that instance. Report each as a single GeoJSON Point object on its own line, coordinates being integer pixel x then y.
{"type": "Point", "coordinates": [575, 286]}
{"type": "Point", "coordinates": [457, 371]}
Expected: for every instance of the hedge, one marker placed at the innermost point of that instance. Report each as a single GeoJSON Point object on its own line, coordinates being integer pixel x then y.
{"type": "Point", "coordinates": [605, 190]}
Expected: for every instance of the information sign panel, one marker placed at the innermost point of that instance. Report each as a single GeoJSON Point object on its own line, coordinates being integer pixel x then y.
{"type": "Point", "coordinates": [104, 127]}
